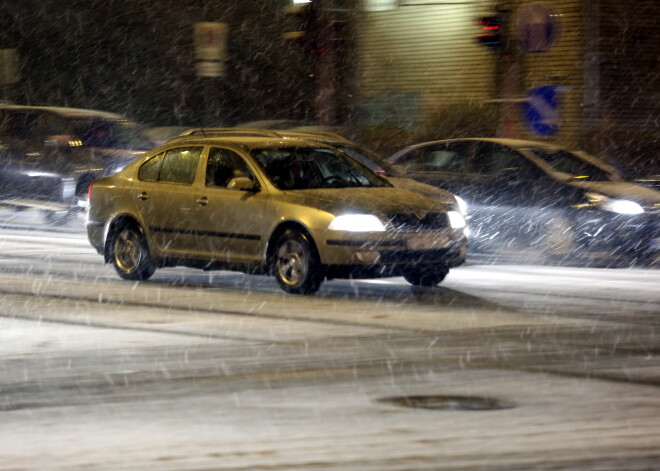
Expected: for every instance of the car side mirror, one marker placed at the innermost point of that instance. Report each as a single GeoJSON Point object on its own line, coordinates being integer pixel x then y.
{"type": "Point", "coordinates": [242, 184]}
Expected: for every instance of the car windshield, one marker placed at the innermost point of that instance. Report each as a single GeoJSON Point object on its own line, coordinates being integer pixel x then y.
{"type": "Point", "coordinates": [567, 162]}
{"type": "Point", "coordinates": [305, 168]}
{"type": "Point", "coordinates": [97, 132]}
{"type": "Point", "coordinates": [369, 159]}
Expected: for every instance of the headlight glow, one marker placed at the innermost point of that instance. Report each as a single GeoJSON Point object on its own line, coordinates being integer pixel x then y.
{"type": "Point", "coordinates": [357, 223]}
{"type": "Point", "coordinates": [462, 205]}
{"type": "Point", "coordinates": [456, 219]}
{"type": "Point", "coordinates": [616, 206]}
{"type": "Point", "coordinates": [624, 207]}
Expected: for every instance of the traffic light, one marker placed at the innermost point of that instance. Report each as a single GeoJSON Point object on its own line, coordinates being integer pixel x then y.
{"type": "Point", "coordinates": [302, 24]}
{"type": "Point", "coordinates": [492, 32]}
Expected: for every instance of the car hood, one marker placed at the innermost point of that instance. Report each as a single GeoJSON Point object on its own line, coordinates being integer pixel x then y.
{"type": "Point", "coordinates": [431, 191]}
{"type": "Point", "coordinates": [366, 200]}
{"type": "Point", "coordinates": [622, 190]}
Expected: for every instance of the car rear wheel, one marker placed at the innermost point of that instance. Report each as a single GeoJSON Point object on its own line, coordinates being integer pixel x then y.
{"type": "Point", "coordinates": [425, 277]}
{"type": "Point", "coordinates": [130, 254]}
{"type": "Point", "coordinates": [296, 264]}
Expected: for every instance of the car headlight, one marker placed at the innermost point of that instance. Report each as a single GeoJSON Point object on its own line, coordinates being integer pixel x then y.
{"type": "Point", "coordinates": [357, 223]}
{"type": "Point", "coordinates": [614, 205]}
{"type": "Point", "coordinates": [456, 220]}
{"type": "Point", "coordinates": [624, 207]}
{"type": "Point", "coordinates": [462, 205]}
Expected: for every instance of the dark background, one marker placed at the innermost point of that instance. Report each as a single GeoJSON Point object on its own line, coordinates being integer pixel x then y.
{"type": "Point", "coordinates": [136, 57]}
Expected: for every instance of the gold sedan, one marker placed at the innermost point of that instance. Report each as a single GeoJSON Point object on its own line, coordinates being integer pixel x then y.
{"type": "Point", "coordinates": [299, 210]}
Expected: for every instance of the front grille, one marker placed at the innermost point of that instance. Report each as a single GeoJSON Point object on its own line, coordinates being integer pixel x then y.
{"type": "Point", "coordinates": [410, 221]}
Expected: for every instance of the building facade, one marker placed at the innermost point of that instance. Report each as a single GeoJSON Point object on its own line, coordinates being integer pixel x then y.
{"type": "Point", "coordinates": [422, 68]}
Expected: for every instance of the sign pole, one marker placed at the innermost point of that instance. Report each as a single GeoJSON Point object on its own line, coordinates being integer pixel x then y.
{"type": "Point", "coordinates": [210, 60]}
{"type": "Point", "coordinates": [325, 65]}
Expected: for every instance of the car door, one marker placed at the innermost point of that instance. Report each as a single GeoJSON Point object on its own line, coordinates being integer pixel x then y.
{"type": "Point", "coordinates": [230, 222]}
{"type": "Point", "coordinates": [165, 198]}
{"type": "Point", "coordinates": [507, 193]}
{"type": "Point", "coordinates": [439, 164]}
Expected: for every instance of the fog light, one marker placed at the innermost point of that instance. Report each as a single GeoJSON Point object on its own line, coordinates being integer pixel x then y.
{"type": "Point", "coordinates": [368, 257]}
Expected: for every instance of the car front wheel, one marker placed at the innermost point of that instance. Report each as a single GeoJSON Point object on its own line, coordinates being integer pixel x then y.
{"type": "Point", "coordinates": [130, 254]}
{"type": "Point", "coordinates": [296, 264]}
{"type": "Point", "coordinates": [425, 277]}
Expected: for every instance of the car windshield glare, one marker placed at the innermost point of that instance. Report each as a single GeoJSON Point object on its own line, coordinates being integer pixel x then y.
{"type": "Point", "coordinates": [111, 134]}
{"type": "Point", "coordinates": [306, 168]}
{"type": "Point", "coordinates": [571, 164]}
{"type": "Point", "coordinates": [370, 159]}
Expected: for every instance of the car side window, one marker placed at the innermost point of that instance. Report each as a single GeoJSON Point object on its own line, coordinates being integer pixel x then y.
{"type": "Point", "coordinates": [151, 168]}
{"type": "Point", "coordinates": [223, 165]}
{"type": "Point", "coordinates": [493, 159]}
{"type": "Point", "coordinates": [437, 158]}
{"type": "Point", "coordinates": [180, 165]}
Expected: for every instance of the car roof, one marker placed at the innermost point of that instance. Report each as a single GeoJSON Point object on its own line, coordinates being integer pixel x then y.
{"type": "Point", "coordinates": [249, 131]}
{"type": "Point", "coordinates": [246, 140]}
{"type": "Point", "coordinates": [216, 133]}
{"type": "Point", "coordinates": [67, 112]}
{"type": "Point", "coordinates": [514, 143]}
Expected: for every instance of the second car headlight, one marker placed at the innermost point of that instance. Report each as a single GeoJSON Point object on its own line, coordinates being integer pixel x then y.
{"type": "Point", "coordinates": [357, 223]}
{"type": "Point", "coordinates": [456, 220]}
{"type": "Point", "coordinates": [624, 207]}
{"type": "Point", "coordinates": [462, 205]}
{"type": "Point", "coordinates": [616, 206]}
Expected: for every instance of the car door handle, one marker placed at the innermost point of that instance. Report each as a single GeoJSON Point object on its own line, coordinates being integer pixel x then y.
{"type": "Point", "coordinates": [143, 196]}
{"type": "Point", "coordinates": [203, 201]}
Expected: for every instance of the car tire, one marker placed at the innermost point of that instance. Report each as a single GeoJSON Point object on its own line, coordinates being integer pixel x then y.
{"type": "Point", "coordinates": [130, 254]}
{"type": "Point", "coordinates": [295, 263]}
{"type": "Point", "coordinates": [425, 277]}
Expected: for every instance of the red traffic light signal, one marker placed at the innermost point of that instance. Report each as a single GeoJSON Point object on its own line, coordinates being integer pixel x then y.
{"type": "Point", "coordinates": [492, 35]}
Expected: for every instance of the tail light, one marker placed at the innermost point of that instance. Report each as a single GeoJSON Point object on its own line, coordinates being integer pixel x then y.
{"type": "Point", "coordinates": [89, 191]}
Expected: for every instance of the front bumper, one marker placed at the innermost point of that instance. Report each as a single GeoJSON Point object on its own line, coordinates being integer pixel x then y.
{"type": "Point", "coordinates": [386, 254]}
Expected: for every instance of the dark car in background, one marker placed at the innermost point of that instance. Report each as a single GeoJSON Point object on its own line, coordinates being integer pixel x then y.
{"type": "Point", "coordinates": [537, 199]}
{"type": "Point", "coordinates": [50, 155]}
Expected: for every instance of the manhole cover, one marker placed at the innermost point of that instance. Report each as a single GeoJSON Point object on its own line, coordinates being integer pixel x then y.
{"type": "Point", "coordinates": [448, 402]}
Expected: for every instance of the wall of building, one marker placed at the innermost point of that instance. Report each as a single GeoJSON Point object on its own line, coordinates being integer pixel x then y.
{"type": "Point", "coordinates": [417, 58]}
{"type": "Point", "coordinates": [423, 56]}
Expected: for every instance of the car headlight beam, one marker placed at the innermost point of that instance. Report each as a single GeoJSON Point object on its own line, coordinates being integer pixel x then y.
{"type": "Point", "coordinates": [456, 220]}
{"type": "Point", "coordinates": [614, 205]}
{"type": "Point", "coordinates": [624, 207]}
{"type": "Point", "coordinates": [357, 223]}
{"type": "Point", "coordinates": [462, 204]}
